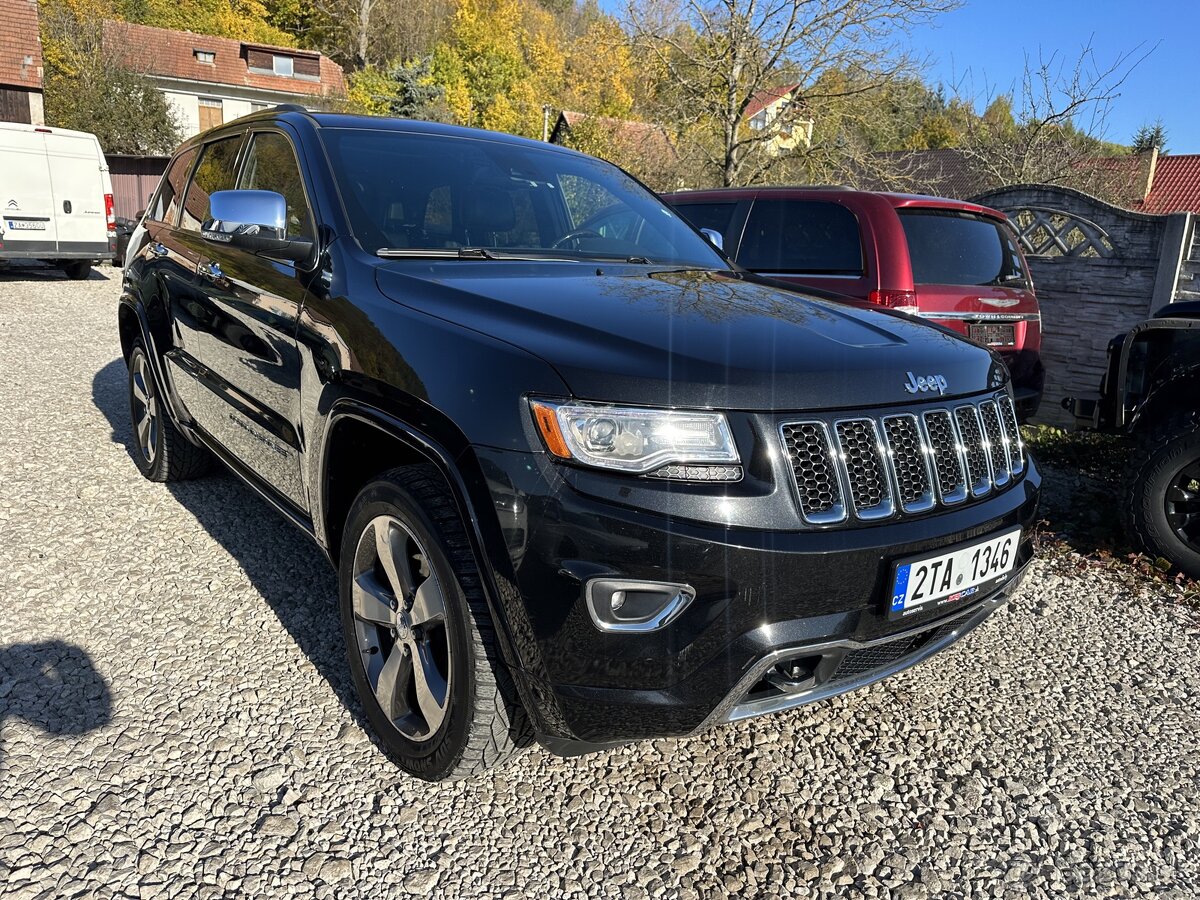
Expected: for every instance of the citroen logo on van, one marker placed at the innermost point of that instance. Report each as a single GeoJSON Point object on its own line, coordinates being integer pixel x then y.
{"type": "Point", "coordinates": [923, 384]}
{"type": "Point", "coordinates": [12, 204]}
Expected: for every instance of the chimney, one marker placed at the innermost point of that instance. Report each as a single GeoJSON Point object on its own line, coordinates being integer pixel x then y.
{"type": "Point", "coordinates": [1149, 162]}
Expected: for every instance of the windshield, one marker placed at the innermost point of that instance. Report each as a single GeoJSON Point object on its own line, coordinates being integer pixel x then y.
{"type": "Point", "coordinates": [959, 248]}
{"type": "Point", "coordinates": [412, 193]}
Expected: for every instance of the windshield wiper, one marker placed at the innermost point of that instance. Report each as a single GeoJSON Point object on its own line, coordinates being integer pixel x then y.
{"type": "Point", "coordinates": [435, 253]}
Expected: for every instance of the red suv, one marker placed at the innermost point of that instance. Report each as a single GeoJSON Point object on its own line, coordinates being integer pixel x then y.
{"type": "Point", "coordinates": [955, 263]}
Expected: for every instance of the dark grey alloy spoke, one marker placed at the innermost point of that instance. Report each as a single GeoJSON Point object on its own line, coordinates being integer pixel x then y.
{"type": "Point", "coordinates": [1183, 504]}
{"type": "Point", "coordinates": [145, 407]}
{"type": "Point", "coordinates": [400, 624]}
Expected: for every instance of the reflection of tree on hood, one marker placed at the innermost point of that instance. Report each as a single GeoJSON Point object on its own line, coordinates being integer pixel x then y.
{"type": "Point", "coordinates": [720, 297]}
{"type": "Point", "coordinates": [54, 686]}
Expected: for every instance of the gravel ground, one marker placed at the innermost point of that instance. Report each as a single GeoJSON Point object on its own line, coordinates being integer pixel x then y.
{"type": "Point", "coordinates": [176, 717]}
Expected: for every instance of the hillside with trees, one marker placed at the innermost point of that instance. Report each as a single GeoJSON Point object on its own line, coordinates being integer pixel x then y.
{"type": "Point", "coordinates": [696, 67]}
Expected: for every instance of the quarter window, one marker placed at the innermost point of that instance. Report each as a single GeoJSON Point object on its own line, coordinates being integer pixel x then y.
{"type": "Point", "coordinates": [809, 237]}
{"type": "Point", "coordinates": [271, 166]}
{"type": "Point", "coordinates": [166, 204]}
{"type": "Point", "coordinates": [216, 171]}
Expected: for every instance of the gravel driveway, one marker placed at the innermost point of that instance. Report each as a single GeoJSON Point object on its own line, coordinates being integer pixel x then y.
{"type": "Point", "coordinates": [176, 716]}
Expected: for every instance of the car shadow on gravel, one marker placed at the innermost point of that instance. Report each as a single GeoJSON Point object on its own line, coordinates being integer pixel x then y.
{"type": "Point", "coordinates": [284, 565]}
{"type": "Point", "coordinates": [53, 686]}
{"type": "Point", "coordinates": [9, 275]}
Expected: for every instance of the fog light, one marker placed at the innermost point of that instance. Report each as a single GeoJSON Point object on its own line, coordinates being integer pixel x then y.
{"type": "Point", "coordinates": [635, 606]}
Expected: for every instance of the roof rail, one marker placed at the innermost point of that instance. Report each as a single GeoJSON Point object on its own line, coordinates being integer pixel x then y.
{"type": "Point", "coordinates": [290, 107]}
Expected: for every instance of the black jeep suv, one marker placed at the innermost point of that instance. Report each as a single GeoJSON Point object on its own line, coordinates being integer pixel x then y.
{"type": "Point", "coordinates": [582, 482]}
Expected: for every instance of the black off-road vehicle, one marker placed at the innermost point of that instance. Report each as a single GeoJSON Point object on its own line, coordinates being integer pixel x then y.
{"type": "Point", "coordinates": [1151, 393]}
{"type": "Point", "coordinates": [583, 481]}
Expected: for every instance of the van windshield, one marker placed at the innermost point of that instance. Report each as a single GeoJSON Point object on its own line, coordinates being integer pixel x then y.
{"type": "Point", "coordinates": [409, 194]}
{"type": "Point", "coordinates": [948, 247]}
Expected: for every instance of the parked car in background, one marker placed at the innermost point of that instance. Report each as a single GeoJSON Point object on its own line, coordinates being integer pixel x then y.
{"type": "Point", "coordinates": [124, 230]}
{"type": "Point", "coordinates": [56, 199]}
{"type": "Point", "coordinates": [954, 263]}
{"type": "Point", "coordinates": [580, 487]}
{"type": "Point", "coordinates": [1150, 393]}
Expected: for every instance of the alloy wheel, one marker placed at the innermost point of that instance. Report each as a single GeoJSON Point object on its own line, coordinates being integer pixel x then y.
{"type": "Point", "coordinates": [145, 408]}
{"type": "Point", "coordinates": [400, 626]}
{"type": "Point", "coordinates": [1183, 504]}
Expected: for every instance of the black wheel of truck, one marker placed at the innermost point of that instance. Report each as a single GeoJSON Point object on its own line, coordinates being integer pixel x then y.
{"type": "Point", "coordinates": [1162, 491]}
{"type": "Point", "coordinates": [160, 451]}
{"type": "Point", "coordinates": [78, 270]}
{"type": "Point", "coordinates": [422, 648]}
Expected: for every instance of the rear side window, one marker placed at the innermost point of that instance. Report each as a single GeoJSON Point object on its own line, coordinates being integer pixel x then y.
{"type": "Point", "coordinates": [216, 172]}
{"type": "Point", "coordinates": [801, 236]}
{"type": "Point", "coordinates": [271, 166]}
{"type": "Point", "coordinates": [958, 248]}
{"type": "Point", "coordinates": [708, 215]}
{"type": "Point", "coordinates": [166, 204]}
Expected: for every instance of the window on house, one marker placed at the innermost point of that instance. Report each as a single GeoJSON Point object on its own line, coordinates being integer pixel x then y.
{"type": "Point", "coordinates": [283, 65]}
{"type": "Point", "coordinates": [205, 56]}
{"type": "Point", "coordinates": [212, 113]}
{"type": "Point", "coordinates": [256, 106]}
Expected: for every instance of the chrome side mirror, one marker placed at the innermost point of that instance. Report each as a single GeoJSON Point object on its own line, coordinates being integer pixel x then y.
{"type": "Point", "coordinates": [714, 237]}
{"type": "Point", "coordinates": [255, 221]}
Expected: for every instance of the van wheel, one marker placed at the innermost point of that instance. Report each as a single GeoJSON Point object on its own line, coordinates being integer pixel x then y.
{"type": "Point", "coordinates": [422, 647]}
{"type": "Point", "coordinates": [78, 271]}
{"type": "Point", "coordinates": [1162, 491]}
{"type": "Point", "coordinates": [160, 451]}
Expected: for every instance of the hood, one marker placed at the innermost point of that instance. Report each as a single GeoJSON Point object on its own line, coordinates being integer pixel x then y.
{"type": "Point", "coordinates": [626, 334]}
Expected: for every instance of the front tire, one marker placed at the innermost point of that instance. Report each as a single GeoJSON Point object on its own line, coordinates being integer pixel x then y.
{"type": "Point", "coordinates": [160, 451]}
{"type": "Point", "coordinates": [422, 648]}
{"type": "Point", "coordinates": [1162, 491]}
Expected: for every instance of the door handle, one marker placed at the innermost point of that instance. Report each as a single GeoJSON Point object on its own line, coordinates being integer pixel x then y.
{"type": "Point", "coordinates": [212, 271]}
{"type": "Point", "coordinates": [158, 250]}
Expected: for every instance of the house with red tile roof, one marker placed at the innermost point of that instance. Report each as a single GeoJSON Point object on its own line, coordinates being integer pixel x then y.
{"type": "Point", "coordinates": [210, 80]}
{"type": "Point", "coordinates": [1174, 185]}
{"type": "Point", "coordinates": [775, 110]}
{"type": "Point", "coordinates": [21, 64]}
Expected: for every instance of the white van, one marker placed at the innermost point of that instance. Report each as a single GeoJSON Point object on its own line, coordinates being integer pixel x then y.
{"type": "Point", "coordinates": [56, 200]}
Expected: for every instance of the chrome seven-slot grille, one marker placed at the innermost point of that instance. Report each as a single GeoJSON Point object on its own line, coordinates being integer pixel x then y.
{"type": "Point", "coordinates": [873, 467]}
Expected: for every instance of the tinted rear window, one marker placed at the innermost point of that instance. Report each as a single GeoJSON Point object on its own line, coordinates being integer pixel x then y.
{"type": "Point", "coordinates": [708, 215]}
{"type": "Point", "coordinates": [957, 248]}
{"type": "Point", "coordinates": [801, 236]}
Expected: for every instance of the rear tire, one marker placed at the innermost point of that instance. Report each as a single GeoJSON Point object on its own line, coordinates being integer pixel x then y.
{"type": "Point", "coordinates": [422, 648]}
{"type": "Point", "coordinates": [1162, 491]}
{"type": "Point", "coordinates": [78, 271]}
{"type": "Point", "coordinates": [160, 451]}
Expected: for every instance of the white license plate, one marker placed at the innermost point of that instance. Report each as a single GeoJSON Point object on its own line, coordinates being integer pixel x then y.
{"type": "Point", "coordinates": [931, 581]}
{"type": "Point", "coordinates": [25, 225]}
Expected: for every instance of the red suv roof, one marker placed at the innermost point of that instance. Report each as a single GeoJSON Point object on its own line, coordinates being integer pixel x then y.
{"type": "Point", "coordinates": [795, 192]}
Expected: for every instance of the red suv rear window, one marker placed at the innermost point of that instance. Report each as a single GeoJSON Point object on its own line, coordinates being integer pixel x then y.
{"type": "Point", "coordinates": [947, 247]}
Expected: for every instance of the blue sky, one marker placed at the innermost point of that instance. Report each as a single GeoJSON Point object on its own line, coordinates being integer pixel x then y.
{"type": "Point", "coordinates": [983, 45]}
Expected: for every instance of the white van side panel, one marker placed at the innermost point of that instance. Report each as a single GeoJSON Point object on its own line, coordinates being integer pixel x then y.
{"type": "Point", "coordinates": [79, 179]}
{"type": "Point", "coordinates": [26, 197]}
{"type": "Point", "coordinates": [52, 187]}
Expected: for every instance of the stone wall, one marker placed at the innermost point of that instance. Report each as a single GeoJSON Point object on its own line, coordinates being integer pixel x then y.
{"type": "Point", "coordinates": [1104, 270]}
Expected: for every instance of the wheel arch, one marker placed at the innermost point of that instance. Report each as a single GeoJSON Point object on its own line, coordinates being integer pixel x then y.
{"type": "Point", "coordinates": [1166, 397]}
{"type": "Point", "coordinates": [366, 441]}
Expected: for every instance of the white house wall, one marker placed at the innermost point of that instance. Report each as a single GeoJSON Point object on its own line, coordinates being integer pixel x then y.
{"type": "Point", "coordinates": [183, 98]}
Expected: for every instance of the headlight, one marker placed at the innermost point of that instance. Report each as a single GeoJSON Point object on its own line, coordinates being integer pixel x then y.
{"type": "Point", "coordinates": [631, 439]}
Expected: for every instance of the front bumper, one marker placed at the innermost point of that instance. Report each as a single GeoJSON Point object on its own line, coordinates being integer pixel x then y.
{"type": "Point", "coordinates": [761, 596]}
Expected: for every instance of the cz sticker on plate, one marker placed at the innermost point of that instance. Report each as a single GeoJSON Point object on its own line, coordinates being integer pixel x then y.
{"type": "Point", "coordinates": [925, 582]}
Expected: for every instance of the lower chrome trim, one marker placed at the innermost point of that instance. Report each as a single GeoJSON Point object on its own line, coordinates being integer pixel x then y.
{"type": "Point", "coordinates": [731, 709]}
